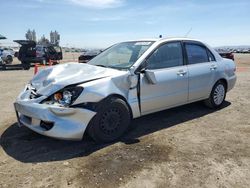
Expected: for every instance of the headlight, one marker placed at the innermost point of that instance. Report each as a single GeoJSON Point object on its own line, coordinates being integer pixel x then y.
{"type": "Point", "coordinates": [67, 96]}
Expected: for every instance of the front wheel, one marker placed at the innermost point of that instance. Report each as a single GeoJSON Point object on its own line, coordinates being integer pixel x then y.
{"type": "Point", "coordinates": [111, 121]}
{"type": "Point", "coordinates": [217, 96]}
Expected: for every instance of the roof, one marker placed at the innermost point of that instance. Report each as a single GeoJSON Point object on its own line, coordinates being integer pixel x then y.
{"type": "Point", "coordinates": [165, 39]}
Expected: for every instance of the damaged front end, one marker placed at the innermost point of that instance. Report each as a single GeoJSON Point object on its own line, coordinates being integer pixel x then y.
{"type": "Point", "coordinates": [49, 117]}
{"type": "Point", "coordinates": [57, 101]}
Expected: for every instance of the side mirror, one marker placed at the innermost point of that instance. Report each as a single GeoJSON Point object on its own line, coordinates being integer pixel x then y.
{"type": "Point", "coordinates": [141, 68]}
{"type": "Point", "coordinates": [150, 75]}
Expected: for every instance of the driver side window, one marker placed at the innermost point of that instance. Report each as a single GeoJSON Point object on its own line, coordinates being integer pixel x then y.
{"type": "Point", "coordinates": [166, 56]}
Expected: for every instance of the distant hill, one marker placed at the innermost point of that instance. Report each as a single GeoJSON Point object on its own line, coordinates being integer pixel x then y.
{"type": "Point", "coordinates": [234, 47]}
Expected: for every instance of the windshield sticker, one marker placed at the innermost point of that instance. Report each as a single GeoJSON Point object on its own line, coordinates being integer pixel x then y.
{"type": "Point", "coordinates": [142, 43]}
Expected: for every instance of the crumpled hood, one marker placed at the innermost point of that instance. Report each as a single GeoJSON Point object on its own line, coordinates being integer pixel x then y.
{"type": "Point", "coordinates": [50, 80]}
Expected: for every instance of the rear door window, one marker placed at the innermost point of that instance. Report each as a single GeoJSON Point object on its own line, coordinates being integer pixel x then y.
{"type": "Point", "coordinates": [196, 53]}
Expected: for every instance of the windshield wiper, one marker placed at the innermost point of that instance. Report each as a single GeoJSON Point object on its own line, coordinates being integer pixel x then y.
{"type": "Point", "coordinates": [101, 66]}
{"type": "Point", "coordinates": [112, 67]}
{"type": "Point", "coordinates": [119, 68]}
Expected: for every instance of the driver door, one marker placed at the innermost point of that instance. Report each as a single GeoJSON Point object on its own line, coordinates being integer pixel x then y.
{"type": "Point", "coordinates": [171, 76]}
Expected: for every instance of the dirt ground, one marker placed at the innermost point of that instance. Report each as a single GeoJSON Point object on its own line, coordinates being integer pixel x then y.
{"type": "Point", "coordinates": [188, 146]}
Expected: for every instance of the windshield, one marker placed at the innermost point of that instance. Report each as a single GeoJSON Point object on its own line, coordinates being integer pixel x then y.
{"type": "Point", "coordinates": [122, 55]}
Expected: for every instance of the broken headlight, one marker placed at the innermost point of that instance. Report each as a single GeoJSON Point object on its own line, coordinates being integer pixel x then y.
{"type": "Point", "coordinates": [67, 96]}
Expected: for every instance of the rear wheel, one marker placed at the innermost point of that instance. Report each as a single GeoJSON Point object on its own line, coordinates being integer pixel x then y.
{"type": "Point", "coordinates": [111, 121]}
{"type": "Point", "coordinates": [217, 96]}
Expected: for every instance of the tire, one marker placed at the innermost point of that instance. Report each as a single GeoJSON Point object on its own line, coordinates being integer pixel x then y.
{"type": "Point", "coordinates": [217, 95]}
{"type": "Point", "coordinates": [9, 59]}
{"type": "Point", "coordinates": [26, 65]}
{"type": "Point", "coordinates": [111, 121]}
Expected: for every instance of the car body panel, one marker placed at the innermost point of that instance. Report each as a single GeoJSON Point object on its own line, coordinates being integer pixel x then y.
{"type": "Point", "coordinates": [69, 123]}
{"type": "Point", "coordinates": [201, 79]}
{"type": "Point", "coordinates": [171, 88]}
{"type": "Point", "coordinates": [57, 77]}
{"type": "Point", "coordinates": [144, 91]}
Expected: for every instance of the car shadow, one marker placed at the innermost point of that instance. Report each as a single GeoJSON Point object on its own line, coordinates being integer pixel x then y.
{"type": "Point", "coordinates": [29, 147]}
{"type": "Point", "coordinates": [11, 67]}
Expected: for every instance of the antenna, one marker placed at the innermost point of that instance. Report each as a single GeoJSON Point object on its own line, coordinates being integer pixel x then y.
{"type": "Point", "coordinates": [189, 31]}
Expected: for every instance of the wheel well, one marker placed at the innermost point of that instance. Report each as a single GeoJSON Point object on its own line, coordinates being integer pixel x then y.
{"type": "Point", "coordinates": [122, 98]}
{"type": "Point", "coordinates": [224, 81]}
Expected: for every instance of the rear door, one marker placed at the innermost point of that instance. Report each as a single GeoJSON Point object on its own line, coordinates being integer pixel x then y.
{"type": "Point", "coordinates": [171, 87]}
{"type": "Point", "coordinates": [202, 69]}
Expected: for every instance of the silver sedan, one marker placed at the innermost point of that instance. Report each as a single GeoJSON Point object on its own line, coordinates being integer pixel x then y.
{"type": "Point", "coordinates": [126, 81]}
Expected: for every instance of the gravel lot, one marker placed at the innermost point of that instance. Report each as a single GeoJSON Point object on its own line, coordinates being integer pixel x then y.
{"type": "Point", "coordinates": [188, 146]}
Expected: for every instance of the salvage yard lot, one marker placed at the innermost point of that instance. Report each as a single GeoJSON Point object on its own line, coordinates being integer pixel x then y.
{"type": "Point", "coordinates": [188, 146]}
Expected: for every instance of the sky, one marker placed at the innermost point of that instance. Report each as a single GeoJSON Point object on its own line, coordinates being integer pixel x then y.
{"type": "Point", "coordinates": [101, 23]}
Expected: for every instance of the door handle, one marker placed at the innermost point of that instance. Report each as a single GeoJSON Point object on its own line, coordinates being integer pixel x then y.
{"type": "Point", "coordinates": [181, 72]}
{"type": "Point", "coordinates": [213, 67]}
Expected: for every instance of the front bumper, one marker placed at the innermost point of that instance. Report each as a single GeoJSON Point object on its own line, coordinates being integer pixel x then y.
{"type": "Point", "coordinates": [65, 123]}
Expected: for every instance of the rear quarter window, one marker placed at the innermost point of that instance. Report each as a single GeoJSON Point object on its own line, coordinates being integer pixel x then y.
{"type": "Point", "coordinates": [210, 55]}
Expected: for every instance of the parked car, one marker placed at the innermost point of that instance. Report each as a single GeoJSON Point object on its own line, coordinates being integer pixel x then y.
{"type": "Point", "coordinates": [126, 81]}
{"type": "Point", "coordinates": [30, 52]}
{"type": "Point", "coordinates": [226, 54]}
{"type": "Point", "coordinates": [245, 51]}
{"type": "Point", "coordinates": [87, 56]}
{"type": "Point", "coordinates": [6, 55]}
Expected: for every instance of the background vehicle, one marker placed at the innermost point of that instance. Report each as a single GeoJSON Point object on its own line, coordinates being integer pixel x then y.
{"type": "Point", "coordinates": [87, 56]}
{"type": "Point", "coordinates": [30, 52]}
{"type": "Point", "coordinates": [226, 54]}
{"type": "Point", "coordinates": [6, 55]}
